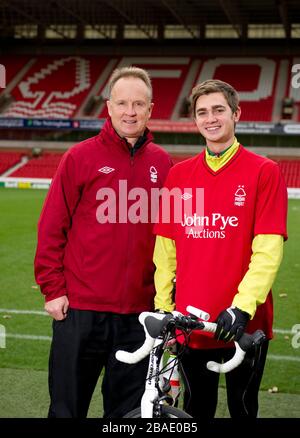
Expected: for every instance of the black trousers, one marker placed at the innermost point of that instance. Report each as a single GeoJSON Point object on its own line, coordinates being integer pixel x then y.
{"type": "Point", "coordinates": [85, 343]}
{"type": "Point", "coordinates": [242, 384]}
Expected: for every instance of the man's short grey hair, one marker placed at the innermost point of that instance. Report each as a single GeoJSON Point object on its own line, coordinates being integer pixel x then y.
{"type": "Point", "coordinates": [130, 72]}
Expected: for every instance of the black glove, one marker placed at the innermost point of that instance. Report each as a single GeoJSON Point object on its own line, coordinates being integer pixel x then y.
{"type": "Point", "coordinates": [231, 324]}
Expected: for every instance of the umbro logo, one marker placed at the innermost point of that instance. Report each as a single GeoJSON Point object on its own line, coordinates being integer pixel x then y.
{"type": "Point", "coordinates": [186, 196]}
{"type": "Point", "coordinates": [106, 169]}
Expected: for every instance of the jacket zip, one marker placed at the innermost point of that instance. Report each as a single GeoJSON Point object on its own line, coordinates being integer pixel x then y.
{"type": "Point", "coordinates": [132, 152]}
{"type": "Point", "coordinates": [129, 233]}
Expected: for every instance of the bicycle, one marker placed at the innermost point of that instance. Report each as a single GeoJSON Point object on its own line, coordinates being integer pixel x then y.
{"type": "Point", "coordinates": [159, 330]}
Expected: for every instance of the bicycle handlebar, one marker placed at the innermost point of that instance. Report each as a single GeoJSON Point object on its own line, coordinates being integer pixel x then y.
{"type": "Point", "coordinates": [154, 323]}
{"type": "Point", "coordinates": [144, 350]}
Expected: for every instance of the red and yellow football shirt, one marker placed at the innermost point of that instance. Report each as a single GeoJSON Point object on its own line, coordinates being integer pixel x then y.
{"type": "Point", "coordinates": [213, 219]}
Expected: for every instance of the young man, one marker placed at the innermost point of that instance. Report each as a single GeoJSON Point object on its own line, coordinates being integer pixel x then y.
{"type": "Point", "coordinates": [225, 251]}
{"type": "Point", "coordinates": [93, 261]}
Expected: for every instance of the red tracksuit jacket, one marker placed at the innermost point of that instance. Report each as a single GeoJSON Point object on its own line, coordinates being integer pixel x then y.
{"type": "Point", "coordinates": [101, 266]}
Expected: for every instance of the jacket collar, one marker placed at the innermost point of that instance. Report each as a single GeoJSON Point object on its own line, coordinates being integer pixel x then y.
{"type": "Point", "coordinates": [110, 136]}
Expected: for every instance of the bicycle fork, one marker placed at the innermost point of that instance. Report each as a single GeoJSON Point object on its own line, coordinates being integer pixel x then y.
{"type": "Point", "coordinates": [151, 393]}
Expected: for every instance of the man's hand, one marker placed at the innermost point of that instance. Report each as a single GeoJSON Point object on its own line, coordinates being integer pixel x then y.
{"type": "Point", "coordinates": [231, 324]}
{"type": "Point", "coordinates": [58, 308]}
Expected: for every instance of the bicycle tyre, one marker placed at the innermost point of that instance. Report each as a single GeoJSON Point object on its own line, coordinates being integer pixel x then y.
{"type": "Point", "coordinates": [167, 412]}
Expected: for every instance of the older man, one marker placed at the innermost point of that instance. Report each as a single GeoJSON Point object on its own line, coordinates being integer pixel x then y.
{"type": "Point", "coordinates": [93, 263]}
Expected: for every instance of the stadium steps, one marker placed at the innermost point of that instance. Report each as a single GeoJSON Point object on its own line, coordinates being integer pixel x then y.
{"type": "Point", "coordinates": [36, 95]}
{"type": "Point", "coordinates": [291, 171]}
{"type": "Point", "coordinates": [45, 165]}
{"type": "Point", "coordinates": [64, 87]}
{"type": "Point", "coordinates": [96, 91]}
{"type": "Point", "coordinates": [41, 167]}
{"type": "Point", "coordinates": [8, 161]}
{"type": "Point", "coordinates": [11, 170]}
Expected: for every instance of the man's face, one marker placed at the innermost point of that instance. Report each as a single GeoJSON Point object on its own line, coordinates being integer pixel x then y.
{"type": "Point", "coordinates": [130, 107]}
{"type": "Point", "coordinates": [215, 120]}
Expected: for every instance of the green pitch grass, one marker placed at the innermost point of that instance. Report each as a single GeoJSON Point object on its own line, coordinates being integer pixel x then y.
{"type": "Point", "coordinates": [23, 363]}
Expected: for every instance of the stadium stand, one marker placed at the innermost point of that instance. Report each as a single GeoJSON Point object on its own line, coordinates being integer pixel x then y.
{"type": "Point", "coordinates": [168, 73]}
{"type": "Point", "coordinates": [8, 160]}
{"type": "Point", "coordinates": [53, 87]}
{"type": "Point", "coordinates": [45, 165]}
{"type": "Point", "coordinates": [40, 167]}
{"type": "Point", "coordinates": [58, 66]}
{"type": "Point", "coordinates": [290, 169]}
{"type": "Point", "coordinates": [76, 86]}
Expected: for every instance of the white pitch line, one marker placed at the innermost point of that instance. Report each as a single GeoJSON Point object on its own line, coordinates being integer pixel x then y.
{"type": "Point", "coordinates": [42, 313]}
{"type": "Point", "coordinates": [280, 357]}
{"type": "Point", "coordinates": [24, 312]}
{"type": "Point", "coordinates": [27, 337]}
{"type": "Point", "coordinates": [49, 338]}
{"type": "Point", "coordinates": [283, 331]}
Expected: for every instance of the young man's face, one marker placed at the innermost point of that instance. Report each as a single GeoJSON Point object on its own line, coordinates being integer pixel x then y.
{"type": "Point", "coordinates": [130, 107]}
{"type": "Point", "coordinates": [215, 120]}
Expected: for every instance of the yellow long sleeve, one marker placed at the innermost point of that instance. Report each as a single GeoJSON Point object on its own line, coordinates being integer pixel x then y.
{"type": "Point", "coordinates": [267, 252]}
{"type": "Point", "coordinates": [165, 261]}
{"type": "Point", "coordinates": [253, 289]}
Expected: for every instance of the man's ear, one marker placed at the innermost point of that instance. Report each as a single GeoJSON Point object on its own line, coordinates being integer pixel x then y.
{"type": "Point", "coordinates": [151, 108]}
{"type": "Point", "coordinates": [237, 114]}
{"type": "Point", "coordinates": [108, 106]}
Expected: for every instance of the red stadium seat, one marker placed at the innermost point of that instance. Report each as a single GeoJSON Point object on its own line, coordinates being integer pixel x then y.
{"type": "Point", "coordinates": [66, 86]}
{"type": "Point", "coordinates": [42, 167]}
{"type": "Point", "coordinates": [45, 166]}
{"type": "Point", "coordinates": [55, 86]}
{"type": "Point", "coordinates": [8, 160]}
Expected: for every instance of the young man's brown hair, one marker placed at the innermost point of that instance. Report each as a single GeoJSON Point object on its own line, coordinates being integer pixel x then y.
{"type": "Point", "coordinates": [215, 86]}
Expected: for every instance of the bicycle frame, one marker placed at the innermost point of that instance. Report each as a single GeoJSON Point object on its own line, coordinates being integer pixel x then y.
{"type": "Point", "coordinates": [151, 395]}
{"type": "Point", "coordinates": [155, 344]}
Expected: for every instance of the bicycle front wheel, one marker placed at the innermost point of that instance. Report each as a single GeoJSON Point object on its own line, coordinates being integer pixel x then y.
{"type": "Point", "coordinates": [166, 412]}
